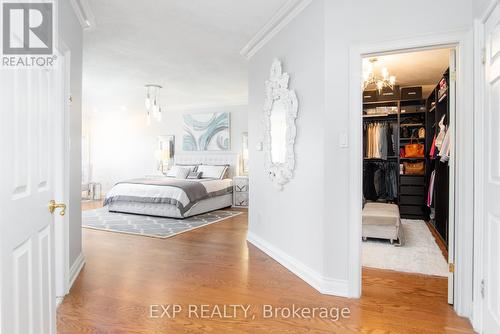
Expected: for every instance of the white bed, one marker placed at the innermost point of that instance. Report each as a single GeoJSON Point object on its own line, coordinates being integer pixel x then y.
{"type": "Point", "coordinates": [171, 211]}
{"type": "Point", "coordinates": [168, 197]}
{"type": "Point", "coordinates": [146, 198]}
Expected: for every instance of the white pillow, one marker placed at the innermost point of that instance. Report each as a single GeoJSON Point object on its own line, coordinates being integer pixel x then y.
{"type": "Point", "coordinates": [212, 171]}
{"type": "Point", "coordinates": [182, 173]}
{"type": "Point", "coordinates": [192, 168]}
{"type": "Point", "coordinates": [172, 172]}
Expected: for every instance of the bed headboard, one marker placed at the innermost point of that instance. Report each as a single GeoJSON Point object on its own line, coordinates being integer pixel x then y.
{"type": "Point", "coordinates": [204, 158]}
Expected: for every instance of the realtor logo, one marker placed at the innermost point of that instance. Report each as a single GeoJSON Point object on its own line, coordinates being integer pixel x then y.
{"type": "Point", "coordinates": [27, 30]}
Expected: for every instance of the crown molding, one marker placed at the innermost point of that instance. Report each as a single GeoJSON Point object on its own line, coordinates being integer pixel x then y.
{"type": "Point", "coordinates": [84, 13]}
{"type": "Point", "coordinates": [280, 19]}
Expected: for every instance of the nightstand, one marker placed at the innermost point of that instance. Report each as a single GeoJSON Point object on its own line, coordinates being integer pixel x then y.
{"type": "Point", "coordinates": [240, 192]}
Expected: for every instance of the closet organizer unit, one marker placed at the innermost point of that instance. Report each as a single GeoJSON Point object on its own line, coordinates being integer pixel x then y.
{"type": "Point", "coordinates": [391, 120]}
{"type": "Point", "coordinates": [437, 168]}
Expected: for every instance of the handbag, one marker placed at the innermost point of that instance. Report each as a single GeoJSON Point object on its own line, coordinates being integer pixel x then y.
{"type": "Point", "coordinates": [421, 133]}
{"type": "Point", "coordinates": [414, 168]}
{"type": "Point", "coordinates": [414, 150]}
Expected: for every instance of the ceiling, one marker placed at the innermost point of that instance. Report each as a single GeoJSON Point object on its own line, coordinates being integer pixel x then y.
{"type": "Point", "coordinates": [190, 47]}
{"type": "Point", "coordinates": [420, 68]}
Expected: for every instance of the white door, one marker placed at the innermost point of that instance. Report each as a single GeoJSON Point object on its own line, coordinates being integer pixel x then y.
{"type": "Point", "coordinates": [30, 127]}
{"type": "Point", "coordinates": [491, 242]}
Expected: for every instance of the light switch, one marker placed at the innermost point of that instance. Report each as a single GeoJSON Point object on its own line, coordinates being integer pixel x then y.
{"type": "Point", "coordinates": [259, 146]}
{"type": "Point", "coordinates": [343, 140]}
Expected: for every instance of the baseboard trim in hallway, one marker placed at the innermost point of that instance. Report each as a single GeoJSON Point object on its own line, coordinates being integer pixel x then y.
{"type": "Point", "coordinates": [75, 269]}
{"type": "Point", "coordinates": [323, 284]}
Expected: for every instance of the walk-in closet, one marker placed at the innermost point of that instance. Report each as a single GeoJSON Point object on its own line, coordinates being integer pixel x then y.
{"type": "Point", "coordinates": [407, 149]}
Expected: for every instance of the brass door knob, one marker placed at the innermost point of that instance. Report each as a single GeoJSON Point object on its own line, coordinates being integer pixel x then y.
{"type": "Point", "coordinates": [53, 206]}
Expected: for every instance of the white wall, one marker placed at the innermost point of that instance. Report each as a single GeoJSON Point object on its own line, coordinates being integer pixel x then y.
{"type": "Point", "coordinates": [70, 32]}
{"type": "Point", "coordinates": [122, 145]}
{"type": "Point", "coordinates": [353, 19]}
{"type": "Point", "coordinates": [309, 220]}
{"type": "Point", "coordinates": [292, 220]}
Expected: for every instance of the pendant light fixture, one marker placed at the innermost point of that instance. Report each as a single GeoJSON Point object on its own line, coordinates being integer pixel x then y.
{"type": "Point", "coordinates": [152, 102]}
{"type": "Point", "coordinates": [386, 81]}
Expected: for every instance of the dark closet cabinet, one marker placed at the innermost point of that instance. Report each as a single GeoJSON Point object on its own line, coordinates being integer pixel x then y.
{"type": "Point", "coordinates": [409, 117]}
{"type": "Point", "coordinates": [438, 213]}
{"type": "Point", "coordinates": [412, 118]}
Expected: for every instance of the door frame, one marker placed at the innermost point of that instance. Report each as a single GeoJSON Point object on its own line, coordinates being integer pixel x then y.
{"type": "Point", "coordinates": [462, 40]}
{"type": "Point", "coordinates": [479, 161]}
{"type": "Point", "coordinates": [62, 174]}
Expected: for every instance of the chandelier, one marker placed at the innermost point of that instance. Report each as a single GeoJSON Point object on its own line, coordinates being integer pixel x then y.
{"type": "Point", "coordinates": [152, 102]}
{"type": "Point", "coordinates": [369, 78]}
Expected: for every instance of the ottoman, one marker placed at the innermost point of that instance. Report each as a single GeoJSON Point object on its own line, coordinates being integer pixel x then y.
{"type": "Point", "coordinates": [381, 221]}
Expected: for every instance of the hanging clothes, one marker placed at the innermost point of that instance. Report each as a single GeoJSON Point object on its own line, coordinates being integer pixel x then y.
{"type": "Point", "coordinates": [445, 150]}
{"type": "Point", "coordinates": [394, 130]}
{"type": "Point", "coordinates": [392, 181]}
{"type": "Point", "coordinates": [379, 141]}
{"type": "Point", "coordinates": [433, 148]}
{"type": "Point", "coordinates": [382, 142]}
{"type": "Point", "coordinates": [380, 181]}
{"type": "Point", "coordinates": [441, 134]}
{"type": "Point", "coordinates": [369, 191]}
{"type": "Point", "coordinates": [430, 192]}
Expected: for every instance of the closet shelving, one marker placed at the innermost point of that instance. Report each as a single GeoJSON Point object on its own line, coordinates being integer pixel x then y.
{"type": "Point", "coordinates": [411, 197]}
{"type": "Point", "coordinates": [438, 107]}
{"type": "Point", "coordinates": [411, 188]}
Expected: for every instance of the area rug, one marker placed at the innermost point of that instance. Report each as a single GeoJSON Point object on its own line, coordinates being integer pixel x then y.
{"type": "Point", "coordinates": [158, 227]}
{"type": "Point", "coordinates": [419, 254]}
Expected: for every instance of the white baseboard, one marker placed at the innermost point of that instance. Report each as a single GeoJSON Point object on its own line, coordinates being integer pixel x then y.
{"type": "Point", "coordinates": [323, 284]}
{"type": "Point", "coordinates": [59, 301]}
{"type": "Point", "coordinates": [75, 269]}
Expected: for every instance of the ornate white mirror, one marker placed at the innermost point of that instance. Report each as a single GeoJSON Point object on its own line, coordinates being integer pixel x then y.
{"type": "Point", "coordinates": [280, 112]}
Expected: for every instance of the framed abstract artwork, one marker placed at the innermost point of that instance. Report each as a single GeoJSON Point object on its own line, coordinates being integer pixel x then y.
{"type": "Point", "coordinates": [206, 132]}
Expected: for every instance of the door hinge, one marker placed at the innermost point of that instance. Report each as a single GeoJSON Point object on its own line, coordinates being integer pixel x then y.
{"type": "Point", "coordinates": [482, 288]}
{"type": "Point", "coordinates": [483, 56]}
{"type": "Point", "coordinates": [451, 267]}
{"type": "Point", "coordinates": [453, 75]}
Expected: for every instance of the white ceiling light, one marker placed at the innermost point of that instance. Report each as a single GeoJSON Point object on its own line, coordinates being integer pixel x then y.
{"type": "Point", "coordinates": [152, 102]}
{"type": "Point", "coordinates": [369, 78]}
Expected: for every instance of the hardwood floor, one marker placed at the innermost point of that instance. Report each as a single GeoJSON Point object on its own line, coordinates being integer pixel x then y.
{"type": "Point", "coordinates": [214, 265]}
{"type": "Point", "coordinates": [439, 240]}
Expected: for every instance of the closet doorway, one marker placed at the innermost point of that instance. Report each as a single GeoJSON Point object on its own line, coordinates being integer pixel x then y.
{"type": "Point", "coordinates": [408, 120]}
